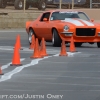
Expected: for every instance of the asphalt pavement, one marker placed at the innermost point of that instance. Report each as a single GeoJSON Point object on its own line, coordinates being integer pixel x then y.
{"type": "Point", "coordinates": [75, 77]}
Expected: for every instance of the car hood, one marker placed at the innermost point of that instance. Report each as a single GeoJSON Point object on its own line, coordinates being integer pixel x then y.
{"type": "Point", "coordinates": [79, 22]}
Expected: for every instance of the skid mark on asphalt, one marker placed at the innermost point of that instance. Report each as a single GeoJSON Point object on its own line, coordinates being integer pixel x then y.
{"type": "Point", "coordinates": [18, 90]}
{"type": "Point", "coordinates": [24, 49]}
{"type": "Point", "coordinates": [49, 83]}
{"type": "Point", "coordinates": [54, 77]}
{"type": "Point", "coordinates": [13, 31]}
{"type": "Point", "coordinates": [18, 69]}
{"type": "Point", "coordinates": [27, 50]}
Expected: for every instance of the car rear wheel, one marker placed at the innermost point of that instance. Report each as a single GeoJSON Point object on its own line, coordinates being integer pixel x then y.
{"type": "Point", "coordinates": [78, 44]}
{"type": "Point", "coordinates": [98, 44]}
{"type": "Point", "coordinates": [42, 4]}
{"type": "Point", "coordinates": [56, 40]}
{"type": "Point", "coordinates": [31, 32]}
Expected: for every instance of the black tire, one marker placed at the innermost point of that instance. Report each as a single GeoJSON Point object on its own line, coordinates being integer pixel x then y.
{"type": "Point", "coordinates": [19, 4]}
{"type": "Point", "coordinates": [56, 40]}
{"type": "Point", "coordinates": [78, 44]}
{"type": "Point", "coordinates": [42, 4]}
{"type": "Point", "coordinates": [27, 6]}
{"type": "Point", "coordinates": [3, 3]}
{"type": "Point", "coordinates": [31, 32]}
{"type": "Point", "coordinates": [98, 44]}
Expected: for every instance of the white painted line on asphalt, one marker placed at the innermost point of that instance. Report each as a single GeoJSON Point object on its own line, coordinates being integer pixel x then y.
{"type": "Point", "coordinates": [69, 54]}
{"type": "Point", "coordinates": [7, 65]}
{"type": "Point", "coordinates": [18, 69]}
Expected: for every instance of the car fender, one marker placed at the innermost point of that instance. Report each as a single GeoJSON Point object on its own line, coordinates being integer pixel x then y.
{"type": "Point", "coordinates": [28, 25]}
{"type": "Point", "coordinates": [54, 27]}
{"type": "Point", "coordinates": [58, 26]}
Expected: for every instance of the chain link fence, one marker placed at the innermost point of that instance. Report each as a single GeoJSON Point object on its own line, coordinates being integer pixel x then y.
{"type": "Point", "coordinates": [73, 4]}
{"type": "Point", "coordinates": [94, 3]}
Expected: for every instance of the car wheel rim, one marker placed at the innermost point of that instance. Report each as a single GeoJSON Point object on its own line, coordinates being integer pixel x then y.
{"type": "Point", "coordinates": [43, 5]}
{"type": "Point", "coordinates": [30, 36]}
{"type": "Point", "coordinates": [20, 4]}
{"type": "Point", "coordinates": [53, 39]}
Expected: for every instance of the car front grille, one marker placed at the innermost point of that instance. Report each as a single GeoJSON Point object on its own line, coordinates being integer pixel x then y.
{"type": "Point", "coordinates": [85, 31]}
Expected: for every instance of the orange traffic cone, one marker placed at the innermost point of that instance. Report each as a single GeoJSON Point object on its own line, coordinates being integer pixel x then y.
{"type": "Point", "coordinates": [72, 45]}
{"type": "Point", "coordinates": [18, 44]}
{"type": "Point", "coordinates": [1, 71]}
{"type": "Point", "coordinates": [43, 48]}
{"type": "Point", "coordinates": [32, 46]}
{"type": "Point", "coordinates": [16, 57]}
{"type": "Point", "coordinates": [36, 53]}
{"type": "Point", "coordinates": [63, 49]}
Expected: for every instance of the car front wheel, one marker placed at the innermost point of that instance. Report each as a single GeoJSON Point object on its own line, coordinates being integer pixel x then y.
{"type": "Point", "coordinates": [56, 40]}
{"type": "Point", "coordinates": [98, 44]}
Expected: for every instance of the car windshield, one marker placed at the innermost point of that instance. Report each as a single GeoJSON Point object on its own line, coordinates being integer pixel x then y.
{"type": "Point", "coordinates": [70, 14]}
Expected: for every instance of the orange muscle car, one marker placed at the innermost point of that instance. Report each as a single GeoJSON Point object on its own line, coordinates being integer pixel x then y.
{"type": "Point", "coordinates": [58, 25]}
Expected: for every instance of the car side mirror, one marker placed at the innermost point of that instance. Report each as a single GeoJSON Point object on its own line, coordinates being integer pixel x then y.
{"type": "Point", "coordinates": [45, 19]}
{"type": "Point", "coordinates": [92, 20]}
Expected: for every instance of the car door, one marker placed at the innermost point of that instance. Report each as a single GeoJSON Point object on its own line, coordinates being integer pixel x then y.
{"type": "Point", "coordinates": [42, 27]}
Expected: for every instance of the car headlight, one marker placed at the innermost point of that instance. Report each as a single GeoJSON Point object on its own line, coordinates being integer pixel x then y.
{"type": "Point", "coordinates": [66, 28]}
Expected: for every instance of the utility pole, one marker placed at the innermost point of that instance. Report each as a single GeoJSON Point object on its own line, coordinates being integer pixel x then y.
{"type": "Point", "coordinates": [72, 4]}
{"type": "Point", "coordinates": [90, 4]}
{"type": "Point", "coordinates": [24, 5]}
{"type": "Point", "coordinates": [60, 1]}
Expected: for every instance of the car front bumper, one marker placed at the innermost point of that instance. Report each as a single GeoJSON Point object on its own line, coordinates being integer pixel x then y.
{"type": "Point", "coordinates": [66, 36]}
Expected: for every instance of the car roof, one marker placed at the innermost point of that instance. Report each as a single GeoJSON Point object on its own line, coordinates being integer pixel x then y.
{"type": "Point", "coordinates": [61, 10]}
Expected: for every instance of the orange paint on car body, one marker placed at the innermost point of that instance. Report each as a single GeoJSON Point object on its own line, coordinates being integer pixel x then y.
{"type": "Point", "coordinates": [82, 30]}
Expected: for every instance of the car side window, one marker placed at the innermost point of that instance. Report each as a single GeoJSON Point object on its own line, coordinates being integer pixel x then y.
{"type": "Point", "coordinates": [45, 15]}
